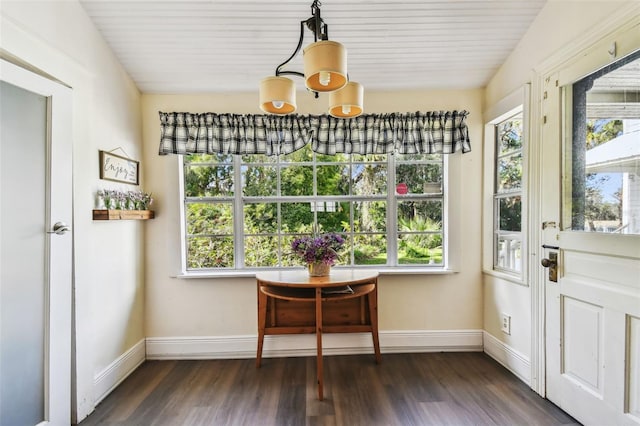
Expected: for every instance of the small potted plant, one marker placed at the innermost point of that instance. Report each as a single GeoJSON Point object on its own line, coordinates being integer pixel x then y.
{"type": "Point", "coordinates": [319, 252]}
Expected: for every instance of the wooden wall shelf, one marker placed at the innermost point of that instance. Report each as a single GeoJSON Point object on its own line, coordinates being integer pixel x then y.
{"type": "Point", "coordinates": [123, 214]}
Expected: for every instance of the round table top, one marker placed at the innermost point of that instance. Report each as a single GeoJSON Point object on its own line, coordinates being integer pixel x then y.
{"type": "Point", "coordinates": [301, 278]}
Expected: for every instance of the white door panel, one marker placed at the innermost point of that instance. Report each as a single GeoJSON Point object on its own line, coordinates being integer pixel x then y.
{"type": "Point", "coordinates": [22, 256]}
{"type": "Point", "coordinates": [590, 333]}
{"type": "Point", "coordinates": [592, 312]}
{"type": "Point", "coordinates": [41, 196]}
{"type": "Point", "coordinates": [582, 351]}
{"type": "Point", "coordinates": [633, 400]}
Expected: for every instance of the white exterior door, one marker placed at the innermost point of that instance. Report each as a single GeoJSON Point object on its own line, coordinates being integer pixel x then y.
{"type": "Point", "coordinates": [36, 249]}
{"type": "Point", "coordinates": [588, 211]}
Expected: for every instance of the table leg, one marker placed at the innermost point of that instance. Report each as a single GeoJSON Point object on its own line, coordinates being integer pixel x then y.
{"type": "Point", "coordinates": [262, 319]}
{"type": "Point", "coordinates": [373, 313]}
{"type": "Point", "coordinates": [319, 341]}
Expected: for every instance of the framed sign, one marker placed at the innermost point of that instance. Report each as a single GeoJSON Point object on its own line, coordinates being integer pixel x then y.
{"type": "Point", "coordinates": [119, 169]}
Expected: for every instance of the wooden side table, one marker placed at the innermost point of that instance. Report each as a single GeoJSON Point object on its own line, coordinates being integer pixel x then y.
{"type": "Point", "coordinates": [292, 302]}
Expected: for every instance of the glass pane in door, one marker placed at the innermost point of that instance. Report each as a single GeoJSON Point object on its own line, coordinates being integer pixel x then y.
{"type": "Point", "coordinates": [602, 189]}
{"type": "Point", "coordinates": [22, 255]}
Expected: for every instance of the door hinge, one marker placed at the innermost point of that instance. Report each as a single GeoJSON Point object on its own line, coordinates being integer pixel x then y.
{"type": "Point", "coordinates": [544, 119]}
{"type": "Point", "coordinates": [544, 96]}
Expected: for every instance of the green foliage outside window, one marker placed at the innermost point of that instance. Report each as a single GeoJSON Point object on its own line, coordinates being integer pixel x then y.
{"type": "Point", "coordinates": [602, 130]}
{"type": "Point", "coordinates": [289, 196]}
{"type": "Point", "coordinates": [508, 195]}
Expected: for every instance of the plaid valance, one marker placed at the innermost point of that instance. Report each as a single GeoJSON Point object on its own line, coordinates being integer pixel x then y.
{"type": "Point", "coordinates": [411, 133]}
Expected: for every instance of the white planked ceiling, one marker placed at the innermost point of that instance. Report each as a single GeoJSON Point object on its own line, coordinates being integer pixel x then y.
{"type": "Point", "coordinates": [229, 46]}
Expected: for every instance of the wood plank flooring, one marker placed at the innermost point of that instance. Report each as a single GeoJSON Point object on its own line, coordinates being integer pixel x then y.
{"type": "Point", "coordinates": [406, 389]}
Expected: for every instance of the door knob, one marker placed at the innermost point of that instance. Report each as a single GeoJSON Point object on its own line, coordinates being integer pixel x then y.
{"type": "Point", "coordinates": [552, 263]}
{"type": "Point", "coordinates": [548, 262]}
{"type": "Point", "coordinates": [59, 228]}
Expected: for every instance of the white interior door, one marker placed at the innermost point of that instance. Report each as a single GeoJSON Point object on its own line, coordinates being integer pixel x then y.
{"type": "Point", "coordinates": [35, 253]}
{"type": "Point", "coordinates": [590, 210]}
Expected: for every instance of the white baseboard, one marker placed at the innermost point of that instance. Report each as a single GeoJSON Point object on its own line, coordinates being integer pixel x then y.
{"type": "Point", "coordinates": [403, 341]}
{"type": "Point", "coordinates": [305, 345]}
{"type": "Point", "coordinates": [107, 380]}
{"type": "Point", "coordinates": [230, 347]}
{"type": "Point", "coordinates": [511, 359]}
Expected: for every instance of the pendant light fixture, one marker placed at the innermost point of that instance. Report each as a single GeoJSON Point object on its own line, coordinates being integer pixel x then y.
{"type": "Point", "coordinates": [325, 66]}
{"type": "Point", "coordinates": [325, 70]}
{"type": "Point", "coordinates": [277, 95]}
{"type": "Point", "coordinates": [348, 101]}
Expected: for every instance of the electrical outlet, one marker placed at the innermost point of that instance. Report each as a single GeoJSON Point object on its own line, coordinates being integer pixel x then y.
{"type": "Point", "coordinates": [506, 324]}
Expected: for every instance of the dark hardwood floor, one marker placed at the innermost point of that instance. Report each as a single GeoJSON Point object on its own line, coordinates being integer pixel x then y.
{"type": "Point", "coordinates": [406, 389]}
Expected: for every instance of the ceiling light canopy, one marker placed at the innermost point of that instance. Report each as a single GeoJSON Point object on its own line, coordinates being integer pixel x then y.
{"type": "Point", "coordinates": [325, 70]}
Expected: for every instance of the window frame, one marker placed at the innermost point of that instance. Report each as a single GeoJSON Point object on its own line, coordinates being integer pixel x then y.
{"type": "Point", "coordinates": [391, 215]}
{"type": "Point", "coordinates": [515, 103]}
{"type": "Point", "coordinates": [569, 119]}
{"type": "Point", "coordinates": [499, 195]}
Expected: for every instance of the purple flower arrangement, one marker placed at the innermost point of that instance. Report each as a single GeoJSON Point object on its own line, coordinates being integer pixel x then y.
{"type": "Point", "coordinates": [321, 248]}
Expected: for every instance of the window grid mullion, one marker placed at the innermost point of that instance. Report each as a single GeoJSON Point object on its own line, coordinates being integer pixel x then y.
{"type": "Point", "coordinates": [352, 256]}
{"type": "Point", "coordinates": [238, 214]}
{"type": "Point", "coordinates": [315, 191]}
{"type": "Point", "coordinates": [508, 194]}
{"type": "Point", "coordinates": [183, 216]}
{"type": "Point", "coordinates": [392, 213]}
{"type": "Point", "coordinates": [510, 153]}
{"type": "Point", "coordinates": [278, 202]}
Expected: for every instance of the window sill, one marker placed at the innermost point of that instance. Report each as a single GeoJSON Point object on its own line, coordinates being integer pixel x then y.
{"type": "Point", "coordinates": [506, 277]}
{"type": "Point", "coordinates": [252, 273]}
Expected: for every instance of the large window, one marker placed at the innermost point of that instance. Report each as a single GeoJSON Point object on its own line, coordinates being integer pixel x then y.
{"type": "Point", "coordinates": [242, 212]}
{"type": "Point", "coordinates": [507, 197]}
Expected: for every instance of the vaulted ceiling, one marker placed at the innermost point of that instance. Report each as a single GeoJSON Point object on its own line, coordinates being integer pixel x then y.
{"type": "Point", "coordinates": [230, 45]}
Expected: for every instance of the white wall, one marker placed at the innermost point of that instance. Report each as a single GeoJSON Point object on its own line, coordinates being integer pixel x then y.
{"type": "Point", "coordinates": [58, 38]}
{"type": "Point", "coordinates": [227, 306]}
{"type": "Point", "coordinates": [560, 23]}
